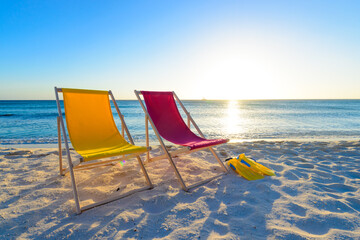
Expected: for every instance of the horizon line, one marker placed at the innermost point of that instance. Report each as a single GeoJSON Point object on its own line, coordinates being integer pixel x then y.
{"type": "Point", "coordinates": [198, 99]}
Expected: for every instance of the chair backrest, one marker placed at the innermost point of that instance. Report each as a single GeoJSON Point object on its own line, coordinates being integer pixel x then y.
{"type": "Point", "coordinates": [89, 119]}
{"type": "Point", "coordinates": [167, 119]}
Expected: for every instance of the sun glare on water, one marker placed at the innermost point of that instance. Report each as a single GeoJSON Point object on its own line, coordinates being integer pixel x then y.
{"type": "Point", "coordinates": [233, 120]}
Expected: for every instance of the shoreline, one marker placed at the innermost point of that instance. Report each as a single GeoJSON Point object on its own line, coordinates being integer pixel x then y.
{"type": "Point", "coordinates": [232, 141]}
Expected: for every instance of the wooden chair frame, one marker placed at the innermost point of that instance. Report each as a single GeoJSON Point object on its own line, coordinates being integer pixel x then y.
{"type": "Point", "coordinates": [183, 150]}
{"type": "Point", "coordinates": [96, 163]}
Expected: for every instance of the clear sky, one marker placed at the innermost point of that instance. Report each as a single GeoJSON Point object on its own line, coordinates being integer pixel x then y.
{"type": "Point", "coordinates": [200, 49]}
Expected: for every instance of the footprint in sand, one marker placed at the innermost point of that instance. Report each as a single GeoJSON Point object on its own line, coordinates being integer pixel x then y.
{"type": "Point", "coordinates": [159, 204]}
{"type": "Point", "coordinates": [290, 191]}
{"type": "Point", "coordinates": [305, 165]}
{"type": "Point", "coordinates": [244, 208]}
{"type": "Point", "coordinates": [320, 224]}
{"type": "Point", "coordinates": [287, 235]}
{"type": "Point", "coordinates": [324, 177]}
{"type": "Point", "coordinates": [354, 203]}
{"type": "Point", "coordinates": [297, 209]}
{"type": "Point", "coordinates": [214, 225]}
{"type": "Point", "coordinates": [289, 175]}
{"type": "Point", "coordinates": [289, 163]}
{"type": "Point", "coordinates": [352, 174]}
{"type": "Point", "coordinates": [39, 155]}
{"type": "Point", "coordinates": [18, 154]}
{"type": "Point", "coordinates": [299, 159]}
{"type": "Point", "coordinates": [275, 167]}
{"type": "Point", "coordinates": [335, 187]}
{"type": "Point", "coordinates": [188, 214]}
{"type": "Point", "coordinates": [333, 205]}
{"type": "Point", "coordinates": [299, 174]}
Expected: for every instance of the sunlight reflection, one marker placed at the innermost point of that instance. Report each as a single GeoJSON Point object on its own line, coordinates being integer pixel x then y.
{"type": "Point", "coordinates": [233, 119]}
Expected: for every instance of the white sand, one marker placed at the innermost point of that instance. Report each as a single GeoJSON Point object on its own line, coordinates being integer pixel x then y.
{"type": "Point", "coordinates": [315, 195]}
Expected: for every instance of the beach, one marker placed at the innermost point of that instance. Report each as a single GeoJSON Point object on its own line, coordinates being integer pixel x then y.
{"type": "Point", "coordinates": [277, 81]}
{"type": "Point", "coordinates": [314, 195]}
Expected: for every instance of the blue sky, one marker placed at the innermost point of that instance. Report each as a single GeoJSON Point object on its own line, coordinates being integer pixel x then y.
{"type": "Point", "coordinates": [200, 49]}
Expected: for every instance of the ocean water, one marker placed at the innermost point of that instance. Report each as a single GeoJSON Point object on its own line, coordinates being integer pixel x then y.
{"type": "Point", "coordinates": [34, 122]}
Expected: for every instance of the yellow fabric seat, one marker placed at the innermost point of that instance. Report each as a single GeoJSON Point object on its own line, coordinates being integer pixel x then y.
{"type": "Point", "coordinates": [91, 126]}
{"type": "Point", "coordinates": [102, 152]}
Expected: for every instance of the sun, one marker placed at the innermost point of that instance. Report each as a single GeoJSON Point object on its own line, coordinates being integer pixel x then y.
{"type": "Point", "coordinates": [234, 80]}
{"type": "Point", "coordinates": [237, 75]}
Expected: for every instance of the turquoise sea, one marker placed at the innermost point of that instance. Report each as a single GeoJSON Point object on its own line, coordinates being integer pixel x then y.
{"type": "Point", "coordinates": [34, 122]}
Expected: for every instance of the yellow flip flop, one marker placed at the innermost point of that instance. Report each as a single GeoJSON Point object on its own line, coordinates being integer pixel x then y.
{"type": "Point", "coordinates": [256, 166]}
{"type": "Point", "coordinates": [243, 170]}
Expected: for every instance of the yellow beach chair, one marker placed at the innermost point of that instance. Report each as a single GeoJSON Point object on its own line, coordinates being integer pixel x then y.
{"type": "Point", "coordinates": [94, 135]}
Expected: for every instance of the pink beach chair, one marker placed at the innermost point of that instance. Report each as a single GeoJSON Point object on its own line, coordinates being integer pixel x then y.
{"type": "Point", "coordinates": [162, 113]}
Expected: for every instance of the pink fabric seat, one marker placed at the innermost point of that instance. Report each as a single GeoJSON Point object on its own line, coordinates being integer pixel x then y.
{"type": "Point", "coordinates": [162, 109]}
